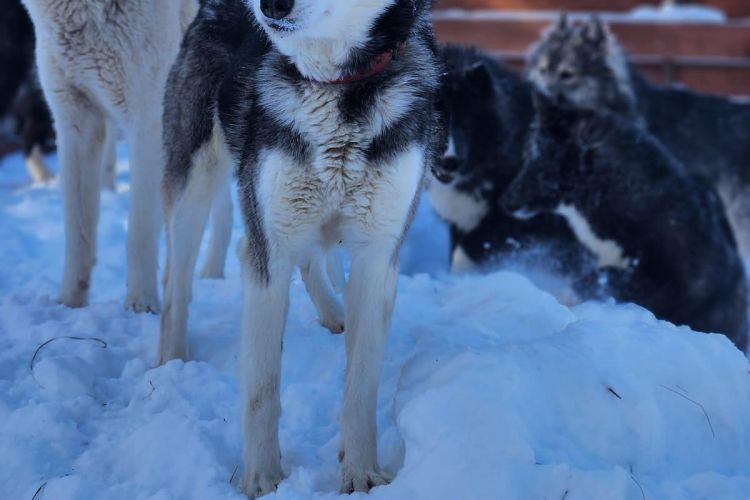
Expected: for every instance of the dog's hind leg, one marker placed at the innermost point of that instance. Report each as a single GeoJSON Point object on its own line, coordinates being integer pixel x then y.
{"type": "Point", "coordinates": [109, 174]}
{"type": "Point", "coordinates": [187, 212]}
{"type": "Point", "coordinates": [220, 233]}
{"type": "Point", "coordinates": [145, 214]}
{"type": "Point", "coordinates": [263, 319]}
{"type": "Point", "coordinates": [315, 276]}
{"type": "Point", "coordinates": [80, 126]}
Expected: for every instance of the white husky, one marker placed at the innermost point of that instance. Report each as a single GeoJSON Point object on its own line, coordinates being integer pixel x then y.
{"type": "Point", "coordinates": [104, 64]}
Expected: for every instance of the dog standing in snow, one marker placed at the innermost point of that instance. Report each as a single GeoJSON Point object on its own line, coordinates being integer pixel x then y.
{"type": "Point", "coordinates": [104, 64]}
{"type": "Point", "coordinates": [660, 234]}
{"type": "Point", "coordinates": [326, 110]}
{"type": "Point", "coordinates": [584, 63]}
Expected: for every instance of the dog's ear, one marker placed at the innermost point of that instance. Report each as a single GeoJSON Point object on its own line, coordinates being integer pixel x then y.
{"type": "Point", "coordinates": [480, 79]}
{"type": "Point", "coordinates": [595, 31]}
{"type": "Point", "coordinates": [562, 23]}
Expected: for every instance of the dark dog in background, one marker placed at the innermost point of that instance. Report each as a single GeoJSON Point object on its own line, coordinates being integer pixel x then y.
{"type": "Point", "coordinates": [659, 233]}
{"type": "Point", "coordinates": [583, 63]}
{"type": "Point", "coordinates": [488, 110]}
{"type": "Point", "coordinates": [27, 120]}
{"type": "Point", "coordinates": [22, 103]}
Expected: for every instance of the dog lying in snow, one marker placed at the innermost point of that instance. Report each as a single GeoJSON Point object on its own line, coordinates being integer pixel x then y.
{"type": "Point", "coordinates": [584, 63]}
{"type": "Point", "coordinates": [326, 111]}
{"type": "Point", "coordinates": [488, 111]}
{"type": "Point", "coordinates": [104, 64]}
{"type": "Point", "coordinates": [659, 233]}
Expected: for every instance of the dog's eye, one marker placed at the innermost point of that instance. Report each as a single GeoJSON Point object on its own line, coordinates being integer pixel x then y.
{"type": "Point", "coordinates": [566, 75]}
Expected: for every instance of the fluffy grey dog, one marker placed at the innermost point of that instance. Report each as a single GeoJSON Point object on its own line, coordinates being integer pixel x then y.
{"type": "Point", "coordinates": [584, 64]}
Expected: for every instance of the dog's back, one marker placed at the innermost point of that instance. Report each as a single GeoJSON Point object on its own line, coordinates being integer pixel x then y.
{"type": "Point", "coordinates": [707, 133]}
{"type": "Point", "coordinates": [662, 234]}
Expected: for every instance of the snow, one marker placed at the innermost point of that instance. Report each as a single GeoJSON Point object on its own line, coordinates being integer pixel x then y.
{"type": "Point", "coordinates": [679, 13]}
{"type": "Point", "coordinates": [490, 388]}
{"type": "Point", "coordinates": [645, 13]}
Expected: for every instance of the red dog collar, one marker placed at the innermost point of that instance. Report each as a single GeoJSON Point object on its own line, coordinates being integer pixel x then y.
{"type": "Point", "coordinates": [378, 64]}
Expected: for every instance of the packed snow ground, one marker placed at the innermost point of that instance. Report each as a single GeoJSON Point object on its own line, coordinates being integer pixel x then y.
{"type": "Point", "coordinates": [490, 389]}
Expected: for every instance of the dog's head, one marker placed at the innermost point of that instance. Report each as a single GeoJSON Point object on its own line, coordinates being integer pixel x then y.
{"type": "Point", "coordinates": [468, 100]}
{"type": "Point", "coordinates": [327, 39]}
{"type": "Point", "coordinates": [560, 162]}
{"type": "Point", "coordinates": [580, 62]}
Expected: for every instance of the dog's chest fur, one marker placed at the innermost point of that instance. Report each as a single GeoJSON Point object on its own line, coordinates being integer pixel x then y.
{"type": "Point", "coordinates": [336, 176]}
{"type": "Point", "coordinates": [338, 146]}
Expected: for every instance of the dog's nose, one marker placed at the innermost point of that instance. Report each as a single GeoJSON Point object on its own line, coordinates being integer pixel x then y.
{"type": "Point", "coordinates": [276, 9]}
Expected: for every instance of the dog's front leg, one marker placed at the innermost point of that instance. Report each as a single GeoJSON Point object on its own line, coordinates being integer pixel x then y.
{"type": "Point", "coordinates": [264, 314]}
{"type": "Point", "coordinates": [368, 298]}
{"type": "Point", "coordinates": [145, 214]}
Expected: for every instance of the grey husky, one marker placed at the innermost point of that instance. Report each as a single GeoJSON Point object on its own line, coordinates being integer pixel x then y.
{"type": "Point", "coordinates": [325, 110]}
{"type": "Point", "coordinates": [583, 63]}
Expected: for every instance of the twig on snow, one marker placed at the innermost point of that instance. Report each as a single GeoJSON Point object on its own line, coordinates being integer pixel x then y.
{"type": "Point", "coordinates": [153, 388]}
{"type": "Point", "coordinates": [66, 337]}
{"type": "Point", "coordinates": [613, 392]}
{"type": "Point", "coordinates": [703, 409]}
{"type": "Point", "coordinates": [39, 490]}
{"type": "Point", "coordinates": [643, 493]}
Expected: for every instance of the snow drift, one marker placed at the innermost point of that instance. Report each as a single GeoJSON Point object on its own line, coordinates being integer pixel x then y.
{"type": "Point", "coordinates": [490, 389]}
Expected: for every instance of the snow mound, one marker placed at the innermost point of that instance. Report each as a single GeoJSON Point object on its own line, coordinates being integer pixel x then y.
{"type": "Point", "coordinates": [490, 388]}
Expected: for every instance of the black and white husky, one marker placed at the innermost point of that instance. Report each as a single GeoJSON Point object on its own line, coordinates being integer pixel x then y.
{"type": "Point", "coordinates": [659, 233]}
{"type": "Point", "coordinates": [325, 109]}
{"type": "Point", "coordinates": [488, 113]}
{"type": "Point", "coordinates": [103, 64]}
{"type": "Point", "coordinates": [584, 63]}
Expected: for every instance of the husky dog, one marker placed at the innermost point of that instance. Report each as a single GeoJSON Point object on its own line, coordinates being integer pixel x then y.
{"type": "Point", "coordinates": [659, 233]}
{"type": "Point", "coordinates": [585, 64]}
{"type": "Point", "coordinates": [21, 99]}
{"type": "Point", "coordinates": [488, 111]}
{"type": "Point", "coordinates": [104, 64]}
{"type": "Point", "coordinates": [326, 111]}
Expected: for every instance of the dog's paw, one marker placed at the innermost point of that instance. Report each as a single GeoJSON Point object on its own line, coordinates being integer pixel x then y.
{"type": "Point", "coordinates": [363, 481]}
{"type": "Point", "coordinates": [176, 352]}
{"type": "Point", "coordinates": [75, 297]}
{"type": "Point", "coordinates": [331, 316]}
{"type": "Point", "coordinates": [142, 303]}
{"type": "Point", "coordinates": [261, 484]}
{"type": "Point", "coordinates": [334, 325]}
